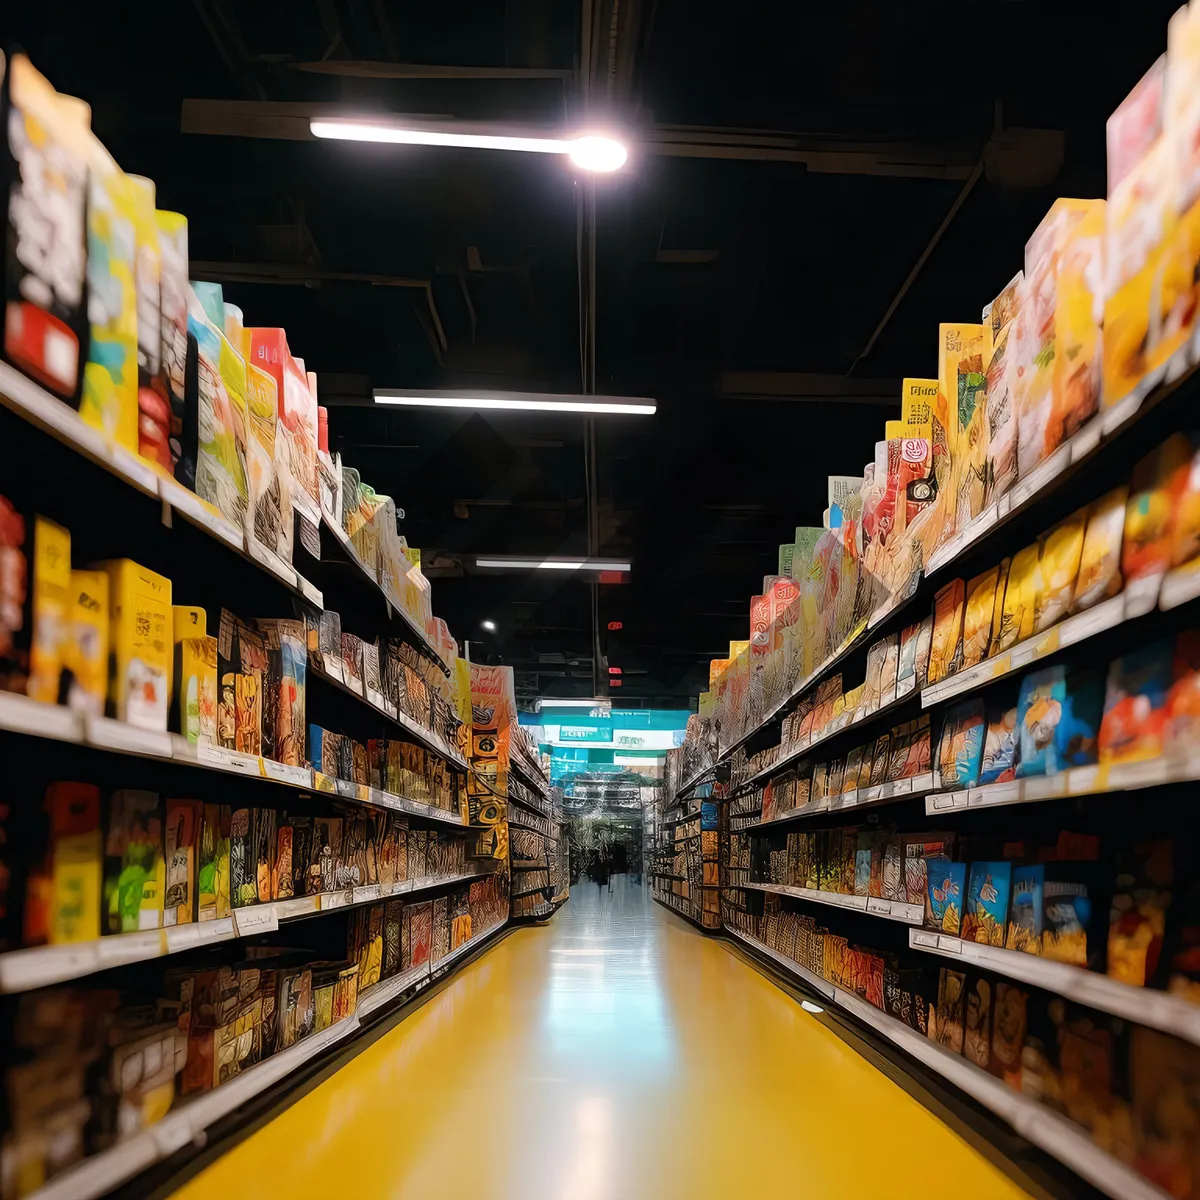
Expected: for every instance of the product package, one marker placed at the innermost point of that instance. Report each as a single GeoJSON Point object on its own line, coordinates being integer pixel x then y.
{"type": "Point", "coordinates": [242, 674]}
{"type": "Point", "coordinates": [1155, 491]}
{"type": "Point", "coordinates": [951, 1000]}
{"type": "Point", "coordinates": [1138, 920]}
{"type": "Point", "coordinates": [1100, 559]}
{"type": "Point", "coordinates": [945, 650]}
{"type": "Point", "coordinates": [962, 745]}
{"type": "Point", "coordinates": [85, 649]}
{"type": "Point", "coordinates": [195, 676]}
{"type": "Point", "coordinates": [141, 641]}
{"type": "Point", "coordinates": [1067, 905]}
{"type": "Point", "coordinates": [134, 867]}
{"type": "Point", "coordinates": [907, 665]}
{"type": "Point", "coordinates": [1058, 564]}
{"type": "Point", "coordinates": [270, 499]}
{"type": "Point", "coordinates": [1039, 712]}
{"type": "Point", "coordinates": [75, 866]}
{"type": "Point", "coordinates": [243, 859]}
{"type": "Point", "coordinates": [1135, 704]}
{"type": "Point", "coordinates": [1025, 918]}
{"type": "Point", "coordinates": [998, 763]}
{"type": "Point", "coordinates": [1009, 1023]}
{"type": "Point", "coordinates": [946, 888]}
{"type": "Point", "coordinates": [1078, 316]}
{"type": "Point", "coordinates": [962, 400]}
{"type": "Point", "coordinates": [986, 913]}
{"type": "Point", "coordinates": [1020, 599]}
{"type": "Point", "coordinates": [1000, 366]}
{"type": "Point", "coordinates": [35, 589]}
{"type": "Point", "coordinates": [212, 864]}
{"type": "Point", "coordinates": [1076, 739]}
{"type": "Point", "coordinates": [980, 606]}
{"type": "Point", "coordinates": [977, 1025]}
{"type": "Point", "coordinates": [44, 176]}
{"type": "Point", "coordinates": [180, 836]}
{"type": "Point", "coordinates": [179, 393]}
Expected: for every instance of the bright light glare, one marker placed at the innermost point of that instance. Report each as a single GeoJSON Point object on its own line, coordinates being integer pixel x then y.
{"type": "Point", "coordinates": [533, 402]}
{"type": "Point", "coordinates": [353, 131]}
{"type": "Point", "coordinates": [809, 1006]}
{"type": "Point", "coordinates": [490, 626]}
{"type": "Point", "coordinates": [561, 564]}
{"type": "Point", "coordinates": [590, 152]}
{"type": "Point", "coordinates": [594, 153]}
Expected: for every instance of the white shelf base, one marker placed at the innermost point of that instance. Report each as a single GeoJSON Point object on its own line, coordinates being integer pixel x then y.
{"type": "Point", "coordinates": [892, 910]}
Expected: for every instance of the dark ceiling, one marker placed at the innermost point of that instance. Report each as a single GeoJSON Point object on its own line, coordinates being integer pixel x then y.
{"type": "Point", "coordinates": [774, 259]}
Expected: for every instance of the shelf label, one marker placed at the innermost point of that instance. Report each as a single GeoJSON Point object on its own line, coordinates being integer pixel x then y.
{"type": "Point", "coordinates": [229, 760]}
{"type": "Point", "coordinates": [950, 801]}
{"type": "Point", "coordinates": [1008, 792]}
{"type": "Point", "coordinates": [256, 918]}
{"type": "Point", "coordinates": [323, 783]}
{"type": "Point", "coordinates": [361, 895]}
{"type": "Point", "coordinates": [949, 945]}
{"type": "Point", "coordinates": [881, 908]}
{"type": "Point", "coordinates": [1141, 595]}
{"type": "Point", "coordinates": [117, 735]}
{"type": "Point", "coordinates": [282, 773]}
{"type": "Point", "coordinates": [310, 593]}
{"type": "Point", "coordinates": [920, 938]}
{"type": "Point", "coordinates": [332, 900]}
{"type": "Point", "coordinates": [345, 789]}
{"type": "Point", "coordinates": [181, 937]}
{"type": "Point", "coordinates": [354, 684]}
{"type": "Point", "coordinates": [335, 668]}
{"type": "Point", "coordinates": [376, 699]}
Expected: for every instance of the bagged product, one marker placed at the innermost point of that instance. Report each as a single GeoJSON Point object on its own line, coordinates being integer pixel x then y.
{"type": "Point", "coordinates": [179, 394]}
{"type": "Point", "coordinates": [945, 651]}
{"type": "Point", "coordinates": [998, 762]}
{"type": "Point", "coordinates": [1076, 739]}
{"type": "Point", "coordinates": [1039, 712]}
{"type": "Point", "coordinates": [1183, 700]}
{"type": "Point", "coordinates": [961, 408]}
{"type": "Point", "coordinates": [986, 912]}
{"type": "Point", "coordinates": [1025, 919]}
{"type": "Point", "coordinates": [962, 745]}
{"type": "Point", "coordinates": [153, 406]}
{"type": "Point", "coordinates": [1133, 727]}
{"type": "Point", "coordinates": [1099, 575]}
{"type": "Point", "coordinates": [134, 869]}
{"type": "Point", "coordinates": [1078, 317]}
{"type": "Point", "coordinates": [977, 616]}
{"type": "Point", "coordinates": [1058, 562]}
{"type": "Point", "coordinates": [1020, 599]}
{"type": "Point", "coordinates": [1159, 481]}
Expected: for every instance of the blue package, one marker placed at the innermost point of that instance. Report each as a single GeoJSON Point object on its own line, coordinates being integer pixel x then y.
{"type": "Point", "coordinates": [1039, 712]}
{"type": "Point", "coordinates": [998, 764]}
{"type": "Point", "coordinates": [1076, 740]}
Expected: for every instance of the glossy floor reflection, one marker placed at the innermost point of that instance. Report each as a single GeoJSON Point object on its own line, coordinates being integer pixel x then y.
{"type": "Point", "coordinates": [616, 1054]}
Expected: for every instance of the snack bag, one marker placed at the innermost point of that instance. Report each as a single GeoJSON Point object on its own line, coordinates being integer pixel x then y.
{"type": "Point", "coordinates": [977, 617]}
{"type": "Point", "coordinates": [961, 408]}
{"type": "Point", "coordinates": [1158, 481]}
{"type": "Point", "coordinates": [1183, 700]}
{"type": "Point", "coordinates": [1020, 598]}
{"type": "Point", "coordinates": [1078, 315]}
{"type": "Point", "coordinates": [962, 745]}
{"type": "Point", "coordinates": [945, 651]}
{"type": "Point", "coordinates": [1039, 711]}
{"type": "Point", "coordinates": [998, 763]}
{"type": "Point", "coordinates": [1076, 740]}
{"type": "Point", "coordinates": [1061, 549]}
{"type": "Point", "coordinates": [1135, 704]}
{"type": "Point", "coordinates": [1099, 575]}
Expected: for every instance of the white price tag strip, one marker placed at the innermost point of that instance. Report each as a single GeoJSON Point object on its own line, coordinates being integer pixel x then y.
{"type": "Point", "coordinates": [368, 892]}
{"type": "Point", "coordinates": [332, 900]}
{"type": "Point", "coordinates": [283, 773]}
{"type": "Point", "coordinates": [927, 940]}
{"type": "Point", "coordinates": [182, 937]}
{"type": "Point", "coordinates": [1141, 595]}
{"type": "Point", "coordinates": [949, 801]}
{"type": "Point", "coordinates": [949, 945]}
{"type": "Point", "coordinates": [311, 594]}
{"type": "Point", "coordinates": [257, 918]}
{"type": "Point", "coordinates": [882, 908]}
{"type": "Point", "coordinates": [117, 735]}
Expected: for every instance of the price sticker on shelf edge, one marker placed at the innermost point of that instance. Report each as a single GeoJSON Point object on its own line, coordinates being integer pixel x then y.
{"type": "Point", "coordinates": [257, 918]}
{"type": "Point", "coordinates": [949, 801]}
{"type": "Point", "coordinates": [362, 894]}
{"type": "Point", "coordinates": [949, 945]}
{"type": "Point", "coordinates": [881, 908]}
{"type": "Point", "coordinates": [172, 1134]}
{"type": "Point", "coordinates": [331, 900]}
{"type": "Point", "coordinates": [928, 940]}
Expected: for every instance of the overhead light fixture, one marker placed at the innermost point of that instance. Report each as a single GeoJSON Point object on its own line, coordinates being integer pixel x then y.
{"type": "Point", "coordinates": [635, 406]}
{"type": "Point", "coordinates": [554, 564]}
{"type": "Point", "coordinates": [490, 626]}
{"type": "Point", "coordinates": [809, 1006]}
{"type": "Point", "coordinates": [589, 151]}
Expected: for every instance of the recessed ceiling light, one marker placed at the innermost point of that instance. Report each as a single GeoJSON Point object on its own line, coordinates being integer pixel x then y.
{"type": "Point", "coordinates": [809, 1006]}
{"type": "Point", "coordinates": [554, 564]}
{"type": "Point", "coordinates": [591, 151]}
{"type": "Point", "coordinates": [490, 626]}
{"type": "Point", "coordinates": [630, 406]}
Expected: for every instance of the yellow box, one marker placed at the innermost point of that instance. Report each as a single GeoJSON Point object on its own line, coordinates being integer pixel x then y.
{"type": "Point", "coordinates": [961, 413]}
{"type": "Point", "coordinates": [194, 669]}
{"type": "Point", "coordinates": [85, 648]}
{"type": "Point", "coordinates": [141, 644]}
{"type": "Point", "coordinates": [77, 852]}
{"type": "Point", "coordinates": [50, 596]}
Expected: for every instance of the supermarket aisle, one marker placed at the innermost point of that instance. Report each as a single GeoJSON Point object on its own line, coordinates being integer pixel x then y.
{"type": "Point", "coordinates": [616, 1054]}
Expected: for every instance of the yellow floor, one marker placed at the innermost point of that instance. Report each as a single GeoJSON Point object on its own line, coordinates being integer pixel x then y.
{"type": "Point", "coordinates": [617, 1053]}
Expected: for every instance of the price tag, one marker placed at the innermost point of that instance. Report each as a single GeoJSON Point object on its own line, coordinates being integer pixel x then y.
{"type": "Point", "coordinates": [1008, 792]}
{"type": "Point", "coordinates": [283, 773]}
{"type": "Point", "coordinates": [345, 789]}
{"type": "Point", "coordinates": [171, 1135]}
{"type": "Point", "coordinates": [332, 900]}
{"type": "Point", "coordinates": [375, 699]}
{"type": "Point", "coordinates": [256, 918]}
{"type": "Point", "coordinates": [311, 594]}
{"type": "Point", "coordinates": [1141, 595]}
{"type": "Point", "coordinates": [229, 760]}
{"type": "Point", "coordinates": [1081, 781]}
{"type": "Point", "coordinates": [362, 895]}
{"type": "Point", "coordinates": [182, 937]}
{"type": "Point", "coordinates": [1092, 621]}
{"type": "Point", "coordinates": [887, 791]}
{"type": "Point", "coordinates": [881, 908]}
{"type": "Point", "coordinates": [221, 928]}
{"type": "Point", "coordinates": [129, 947]}
{"type": "Point", "coordinates": [1179, 586]}
{"type": "Point", "coordinates": [389, 708]}
{"type": "Point", "coordinates": [323, 783]}
{"type": "Point", "coordinates": [903, 787]}
{"type": "Point", "coordinates": [928, 940]}
{"type": "Point", "coordinates": [949, 945]}
{"type": "Point", "coordinates": [950, 801]}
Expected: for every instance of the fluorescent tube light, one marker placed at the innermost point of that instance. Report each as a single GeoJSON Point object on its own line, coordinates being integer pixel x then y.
{"type": "Point", "coordinates": [519, 401]}
{"type": "Point", "coordinates": [554, 702]}
{"type": "Point", "coordinates": [592, 152]}
{"type": "Point", "coordinates": [556, 564]}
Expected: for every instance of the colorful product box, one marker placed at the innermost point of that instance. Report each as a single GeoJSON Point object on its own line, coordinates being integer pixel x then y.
{"type": "Point", "coordinates": [986, 913]}
{"type": "Point", "coordinates": [85, 649]}
{"type": "Point", "coordinates": [134, 867]}
{"type": "Point", "coordinates": [195, 676]}
{"type": "Point", "coordinates": [141, 644]}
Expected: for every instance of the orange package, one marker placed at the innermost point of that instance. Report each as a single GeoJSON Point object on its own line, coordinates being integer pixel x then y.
{"type": "Point", "coordinates": [1158, 483]}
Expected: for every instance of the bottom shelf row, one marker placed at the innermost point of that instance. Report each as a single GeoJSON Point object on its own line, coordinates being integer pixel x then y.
{"type": "Point", "coordinates": [1122, 1147]}
{"type": "Point", "coordinates": [101, 1084]}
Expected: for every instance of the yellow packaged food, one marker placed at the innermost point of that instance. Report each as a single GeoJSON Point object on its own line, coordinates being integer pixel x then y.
{"type": "Point", "coordinates": [1149, 286]}
{"type": "Point", "coordinates": [1100, 559]}
{"type": "Point", "coordinates": [140, 633]}
{"type": "Point", "coordinates": [1185, 541]}
{"type": "Point", "coordinates": [977, 616]}
{"type": "Point", "coordinates": [85, 648]}
{"type": "Point", "coordinates": [1059, 561]}
{"type": "Point", "coordinates": [1020, 598]}
{"type": "Point", "coordinates": [1000, 369]}
{"type": "Point", "coordinates": [1077, 319]}
{"type": "Point", "coordinates": [961, 409]}
{"type": "Point", "coordinates": [1039, 426]}
{"type": "Point", "coordinates": [998, 605]}
{"type": "Point", "coordinates": [49, 603]}
{"type": "Point", "coordinates": [945, 649]}
{"type": "Point", "coordinates": [1158, 483]}
{"type": "Point", "coordinates": [195, 675]}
